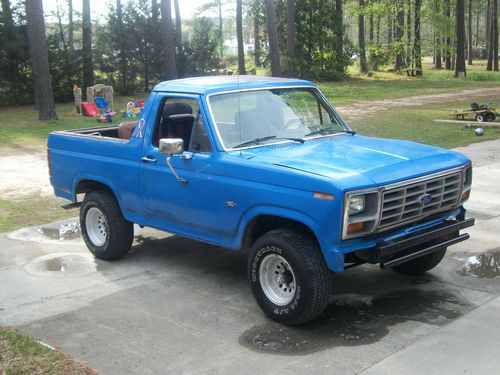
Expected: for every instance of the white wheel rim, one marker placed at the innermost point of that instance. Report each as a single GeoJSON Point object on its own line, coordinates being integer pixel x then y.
{"type": "Point", "coordinates": [277, 279]}
{"type": "Point", "coordinates": [97, 226]}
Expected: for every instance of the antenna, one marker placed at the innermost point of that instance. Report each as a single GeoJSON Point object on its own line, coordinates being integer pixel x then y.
{"type": "Point", "coordinates": [239, 109]}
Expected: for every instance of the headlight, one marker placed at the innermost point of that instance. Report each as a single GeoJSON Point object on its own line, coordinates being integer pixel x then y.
{"type": "Point", "coordinates": [467, 184]}
{"type": "Point", "coordinates": [356, 204]}
{"type": "Point", "coordinates": [361, 213]}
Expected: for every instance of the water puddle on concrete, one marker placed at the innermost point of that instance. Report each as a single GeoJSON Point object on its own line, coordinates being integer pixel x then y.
{"type": "Point", "coordinates": [68, 231]}
{"type": "Point", "coordinates": [483, 266]}
{"type": "Point", "coordinates": [352, 320]}
{"type": "Point", "coordinates": [62, 264]}
{"type": "Point", "coordinates": [62, 231]}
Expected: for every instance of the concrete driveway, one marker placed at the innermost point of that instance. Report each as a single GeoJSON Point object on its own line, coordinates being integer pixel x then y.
{"type": "Point", "coordinates": [177, 306]}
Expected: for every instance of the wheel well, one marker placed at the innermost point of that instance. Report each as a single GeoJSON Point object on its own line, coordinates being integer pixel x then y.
{"type": "Point", "coordinates": [85, 186]}
{"type": "Point", "coordinates": [264, 223]}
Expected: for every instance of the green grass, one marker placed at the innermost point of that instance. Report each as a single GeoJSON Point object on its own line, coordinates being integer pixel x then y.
{"type": "Point", "coordinates": [20, 128]}
{"type": "Point", "coordinates": [20, 355]}
{"type": "Point", "coordinates": [389, 85]}
{"type": "Point", "coordinates": [30, 211]}
{"type": "Point", "coordinates": [415, 123]}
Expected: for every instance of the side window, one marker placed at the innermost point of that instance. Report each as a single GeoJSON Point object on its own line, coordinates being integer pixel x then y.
{"type": "Point", "coordinates": [180, 118]}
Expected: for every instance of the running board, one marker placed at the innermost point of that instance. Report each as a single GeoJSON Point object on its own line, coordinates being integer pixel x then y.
{"type": "Point", "coordinates": [71, 206]}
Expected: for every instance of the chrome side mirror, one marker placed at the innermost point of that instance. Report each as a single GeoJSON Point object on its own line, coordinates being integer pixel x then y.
{"type": "Point", "coordinates": [171, 146]}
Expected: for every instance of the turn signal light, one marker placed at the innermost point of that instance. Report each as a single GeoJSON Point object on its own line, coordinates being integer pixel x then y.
{"type": "Point", "coordinates": [355, 227]}
{"type": "Point", "coordinates": [324, 196]}
{"type": "Point", "coordinates": [465, 196]}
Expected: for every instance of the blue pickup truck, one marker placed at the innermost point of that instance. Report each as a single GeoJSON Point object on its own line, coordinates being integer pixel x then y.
{"type": "Point", "coordinates": [264, 164]}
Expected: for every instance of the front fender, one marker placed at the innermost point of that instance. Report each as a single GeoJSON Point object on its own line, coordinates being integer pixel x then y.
{"type": "Point", "coordinates": [282, 212]}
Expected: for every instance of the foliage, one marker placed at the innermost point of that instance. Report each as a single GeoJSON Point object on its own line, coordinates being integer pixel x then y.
{"type": "Point", "coordinates": [15, 70]}
{"type": "Point", "coordinates": [201, 49]}
{"type": "Point", "coordinates": [378, 55]}
{"type": "Point", "coordinates": [320, 52]}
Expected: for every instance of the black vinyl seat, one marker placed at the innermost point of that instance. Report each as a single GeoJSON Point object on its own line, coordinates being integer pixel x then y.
{"type": "Point", "coordinates": [176, 122]}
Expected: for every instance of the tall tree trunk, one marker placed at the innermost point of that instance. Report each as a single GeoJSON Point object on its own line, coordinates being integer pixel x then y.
{"type": "Point", "coordinates": [88, 68]}
{"type": "Point", "coordinates": [40, 58]}
{"type": "Point", "coordinates": [256, 33]}
{"type": "Point", "coordinates": [239, 36]}
{"type": "Point", "coordinates": [178, 26]}
{"type": "Point", "coordinates": [121, 45]}
{"type": "Point", "coordinates": [363, 68]}
{"type": "Point", "coordinates": [221, 35]}
{"type": "Point", "coordinates": [168, 40]}
{"type": "Point", "coordinates": [389, 29]}
{"type": "Point", "coordinates": [494, 26]}
{"type": "Point", "coordinates": [460, 71]}
{"type": "Point", "coordinates": [477, 30]}
{"type": "Point", "coordinates": [290, 37]}
{"type": "Point", "coordinates": [447, 59]}
{"type": "Point", "coordinates": [71, 41]}
{"type": "Point", "coordinates": [489, 38]}
{"type": "Point", "coordinates": [400, 24]}
{"type": "Point", "coordinates": [437, 41]}
{"type": "Point", "coordinates": [469, 34]}
{"type": "Point", "coordinates": [378, 30]}
{"type": "Point", "coordinates": [408, 33]}
{"type": "Point", "coordinates": [416, 45]}
{"type": "Point", "coordinates": [272, 34]}
{"type": "Point", "coordinates": [34, 69]}
{"type": "Point", "coordinates": [339, 24]}
{"type": "Point", "coordinates": [370, 32]}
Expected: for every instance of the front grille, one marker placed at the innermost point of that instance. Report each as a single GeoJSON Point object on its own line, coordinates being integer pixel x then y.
{"type": "Point", "coordinates": [402, 204]}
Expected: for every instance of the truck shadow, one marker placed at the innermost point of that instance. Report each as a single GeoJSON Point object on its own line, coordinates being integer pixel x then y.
{"type": "Point", "coordinates": [383, 299]}
{"type": "Point", "coordinates": [350, 321]}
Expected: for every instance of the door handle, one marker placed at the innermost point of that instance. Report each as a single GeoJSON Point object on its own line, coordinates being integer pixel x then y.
{"type": "Point", "coordinates": [148, 159]}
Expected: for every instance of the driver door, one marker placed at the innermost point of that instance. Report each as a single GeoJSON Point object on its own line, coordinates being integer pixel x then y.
{"type": "Point", "coordinates": [188, 208]}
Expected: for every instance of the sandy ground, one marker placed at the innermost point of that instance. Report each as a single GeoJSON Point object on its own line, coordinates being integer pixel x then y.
{"type": "Point", "coordinates": [362, 109]}
{"type": "Point", "coordinates": [26, 175]}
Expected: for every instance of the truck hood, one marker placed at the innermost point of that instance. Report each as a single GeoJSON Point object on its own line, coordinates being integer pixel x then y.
{"type": "Point", "coordinates": [359, 158]}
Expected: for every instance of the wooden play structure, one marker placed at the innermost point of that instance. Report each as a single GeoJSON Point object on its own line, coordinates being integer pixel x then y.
{"type": "Point", "coordinates": [101, 90]}
{"type": "Point", "coordinates": [100, 93]}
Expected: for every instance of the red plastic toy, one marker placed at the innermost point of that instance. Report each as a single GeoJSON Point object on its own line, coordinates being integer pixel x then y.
{"type": "Point", "coordinates": [89, 109]}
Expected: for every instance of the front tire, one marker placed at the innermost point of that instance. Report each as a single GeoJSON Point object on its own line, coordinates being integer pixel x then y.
{"type": "Point", "coordinates": [288, 276]}
{"type": "Point", "coordinates": [107, 234]}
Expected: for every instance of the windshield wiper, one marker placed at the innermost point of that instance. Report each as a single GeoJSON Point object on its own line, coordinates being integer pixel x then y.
{"type": "Point", "coordinates": [326, 131]}
{"type": "Point", "coordinates": [257, 141]}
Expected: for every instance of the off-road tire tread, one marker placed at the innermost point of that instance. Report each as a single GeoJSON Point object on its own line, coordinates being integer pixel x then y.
{"type": "Point", "coordinates": [121, 231]}
{"type": "Point", "coordinates": [317, 271]}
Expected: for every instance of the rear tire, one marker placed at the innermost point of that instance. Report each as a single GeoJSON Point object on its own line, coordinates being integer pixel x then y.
{"type": "Point", "coordinates": [490, 117]}
{"type": "Point", "coordinates": [107, 234]}
{"type": "Point", "coordinates": [288, 276]}
{"type": "Point", "coordinates": [421, 265]}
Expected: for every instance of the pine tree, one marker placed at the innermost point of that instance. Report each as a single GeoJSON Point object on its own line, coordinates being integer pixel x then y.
{"type": "Point", "coordinates": [40, 59]}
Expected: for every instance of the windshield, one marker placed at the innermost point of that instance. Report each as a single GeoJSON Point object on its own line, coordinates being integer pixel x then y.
{"type": "Point", "coordinates": [251, 118]}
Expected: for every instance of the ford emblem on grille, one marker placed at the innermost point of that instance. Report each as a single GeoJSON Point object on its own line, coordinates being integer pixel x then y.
{"type": "Point", "coordinates": [424, 199]}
